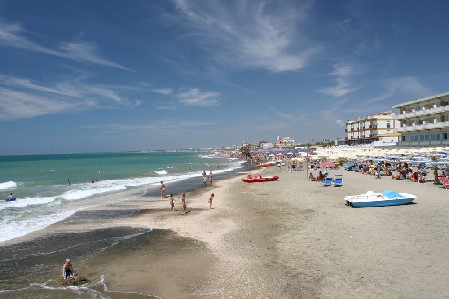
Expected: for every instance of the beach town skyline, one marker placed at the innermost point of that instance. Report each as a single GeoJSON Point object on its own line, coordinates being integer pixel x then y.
{"type": "Point", "coordinates": [110, 76]}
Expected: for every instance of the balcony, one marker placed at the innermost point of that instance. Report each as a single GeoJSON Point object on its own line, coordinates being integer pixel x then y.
{"type": "Point", "coordinates": [430, 111]}
{"type": "Point", "coordinates": [428, 126]}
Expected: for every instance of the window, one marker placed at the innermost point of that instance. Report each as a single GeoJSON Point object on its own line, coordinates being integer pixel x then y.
{"type": "Point", "coordinates": [388, 124]}
{"type": "Point", "coordinates": [445, 136]}
{"type": "Point", "coordinates": [403, 138]}
{"type": "Point", "coordinates": [435, 137]}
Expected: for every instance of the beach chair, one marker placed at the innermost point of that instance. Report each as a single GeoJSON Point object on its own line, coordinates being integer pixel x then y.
{"type": "Point", "coordinates": [444, 181]}
{"type": "Point", "coordinates": [338, 182]}
{"type": "Point", "coordinates": [327, 182]}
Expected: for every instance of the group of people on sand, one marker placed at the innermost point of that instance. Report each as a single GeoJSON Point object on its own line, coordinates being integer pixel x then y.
{"type": "Point", "coordinates": [320, 177]}
{"type": "Point", "coordinates": [207, 178]}
{"type": "Point", "coordinates": [183, 199]}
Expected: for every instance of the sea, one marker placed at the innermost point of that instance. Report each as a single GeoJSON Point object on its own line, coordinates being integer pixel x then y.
{"type": "Point", "coordinates": [52, 189]}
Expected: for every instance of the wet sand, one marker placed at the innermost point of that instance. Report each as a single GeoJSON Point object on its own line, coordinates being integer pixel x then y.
{"type": "Point", "coordinates": [287, 239]}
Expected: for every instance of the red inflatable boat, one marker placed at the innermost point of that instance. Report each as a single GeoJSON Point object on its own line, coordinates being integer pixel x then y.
{"type": "Point", "coordinates": [258, 178]}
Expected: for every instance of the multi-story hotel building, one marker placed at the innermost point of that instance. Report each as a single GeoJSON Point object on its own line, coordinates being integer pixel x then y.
{"type": "Point", "coordinates": [424, 122]}
{"type": "Point", "coordinates": [376, 129]}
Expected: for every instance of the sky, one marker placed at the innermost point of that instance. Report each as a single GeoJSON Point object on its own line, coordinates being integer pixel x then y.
{"type": "Point", "coordinates": [108, 75]}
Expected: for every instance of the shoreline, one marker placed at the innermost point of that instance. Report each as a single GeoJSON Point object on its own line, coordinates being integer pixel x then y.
{"type": "Point", "coordinates": [291, 238]}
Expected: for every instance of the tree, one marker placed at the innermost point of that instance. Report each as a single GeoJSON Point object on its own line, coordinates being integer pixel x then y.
{"type": "Point", "coordinates": [245, 151]}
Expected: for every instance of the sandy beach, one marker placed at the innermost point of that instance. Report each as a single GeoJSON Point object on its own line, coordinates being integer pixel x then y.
{"type": "Point", "coordinates": [291, 238]}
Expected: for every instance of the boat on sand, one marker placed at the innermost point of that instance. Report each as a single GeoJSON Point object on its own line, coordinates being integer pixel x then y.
{"type": "Point", "coordinates": [259, 178]}
{"type": "Point", "coordinates": [267, 164]}
{"type": "Point", "coordinates": [372, 199]}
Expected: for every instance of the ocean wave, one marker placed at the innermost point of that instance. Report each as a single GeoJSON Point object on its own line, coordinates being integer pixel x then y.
{"type": "Point", "coordinates": [8, 185]}
{"type": "Point", "coordinates": [161, 172]}
{"type": "Point", "coordinates": [21, 228]}
{"type": "Point", "coordinates": [25, 202]}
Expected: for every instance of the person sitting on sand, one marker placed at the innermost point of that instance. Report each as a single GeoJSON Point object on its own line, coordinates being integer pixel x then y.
{"type": "Point", "coordinates": [423, 176]}
{"type": "Point", "coordinates": [172, 202]}
{"type": "Point", "coordinates": [210, 200]}
{"type": "Point", "coordinates": [67, 269]}
{"type": "Point", "coordinates": [320, 176]}
{"type": "Point", "coordinates": [414, 177]}
{"type": "Point", "coordinates": [311, 177]}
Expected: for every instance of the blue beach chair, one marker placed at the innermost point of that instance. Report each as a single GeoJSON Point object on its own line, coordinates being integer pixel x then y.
{"type": "Point", "coordinates": [327, 182]}
{"type": "Point", "coordinates": [338, 182]}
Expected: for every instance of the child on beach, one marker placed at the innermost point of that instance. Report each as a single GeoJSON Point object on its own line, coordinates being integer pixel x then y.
{"type": "Point", "coordinates": [172, 202]}
{"type": "Point", "coordinates": [184, 206]}
{"type": "Point", "coordinates": [210, 200]}
{"type": "Point", "coordinates": [67, 269]}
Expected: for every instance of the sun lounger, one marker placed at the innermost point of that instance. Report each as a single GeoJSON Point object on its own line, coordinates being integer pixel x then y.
{"type": "Point", "coordinates": [444, 181]}
{"type": "Point", "coordinates": [338, 182]}
{"type": "Point", "coordinates": [327, 182]}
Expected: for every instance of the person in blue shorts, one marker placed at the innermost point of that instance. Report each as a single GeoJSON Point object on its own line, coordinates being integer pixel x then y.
{"type": "Point", "coordinates": [67, 269]}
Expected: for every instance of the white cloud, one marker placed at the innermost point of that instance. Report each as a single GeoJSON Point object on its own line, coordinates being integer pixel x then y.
{"type": "Point", "coordinates": [23, 98]}
{"type": "Point", "coordinates": [165, 91]}
{"type": "Point", "coordinates": [401, 86]}
{"type": "Point", "coordinates": [13, 35]}
{"type": "Point", "coordinates": [195, 97]}
{"type": "Point", "coordinates": [250, 34]}
{"type": "Point", "coordinates": [342, 74]}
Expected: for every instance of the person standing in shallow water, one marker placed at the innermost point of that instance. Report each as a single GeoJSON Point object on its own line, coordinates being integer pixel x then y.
{"type": "Point", "coordinates": [162, 189]}
{"type": "Point", "coordinates": [67, 269]}
{"type": "Point", "coordinates": [211, 179]}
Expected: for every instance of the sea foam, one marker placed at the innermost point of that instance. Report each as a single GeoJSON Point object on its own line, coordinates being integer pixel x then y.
{"type": "Point", "coordinates": [24, 227]}
{"type": "Point", "coordinates": [8, 185]}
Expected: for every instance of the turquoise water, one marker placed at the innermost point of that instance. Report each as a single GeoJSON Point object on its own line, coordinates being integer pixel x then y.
{"type": "Point", "coordinates": [44, 196]}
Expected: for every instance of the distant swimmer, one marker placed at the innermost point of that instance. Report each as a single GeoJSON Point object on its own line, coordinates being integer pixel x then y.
{"type": "Point", "coordinates": [68, 181]}
{"type": "Point", "coordinates": [10, 196]}
{"type": "Point", "coordinates": [67, 269]}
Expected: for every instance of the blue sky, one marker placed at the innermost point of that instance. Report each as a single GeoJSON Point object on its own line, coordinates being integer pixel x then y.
{"type": "Point", "coordinates": [89, 76]}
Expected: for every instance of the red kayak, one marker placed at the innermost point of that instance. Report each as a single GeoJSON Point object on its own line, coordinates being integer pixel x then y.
{"type": "Point", "coordinates": [267, 164]}
{"type": "Point", "coordinates": [258, 178]}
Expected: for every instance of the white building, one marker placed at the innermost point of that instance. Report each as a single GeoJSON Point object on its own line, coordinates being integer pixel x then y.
{"type": "Point", "coordinates": [377, 129]}
{"type": "Point", "coordinates": [285, 142]}
{"type": "Point", "coordinates": [424, 122]}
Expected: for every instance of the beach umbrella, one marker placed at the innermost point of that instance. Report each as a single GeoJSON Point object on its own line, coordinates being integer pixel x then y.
{"type": "Point", "coordinates": [327, 164]}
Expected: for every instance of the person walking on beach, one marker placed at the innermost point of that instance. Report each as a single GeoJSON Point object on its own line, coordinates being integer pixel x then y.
{"type": "Point", "coordinates": [162, 187]}
{"type": "Point", "coordinates": [67, 269]}
{"type": "Point", "coordinates": [379, 168]}
{"type": "Point", "coordinates": [210, 200]}
{"type": "Point", "coordinates": [172, 202]}
{"type": "Point", "coordinates": [184, 206]}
